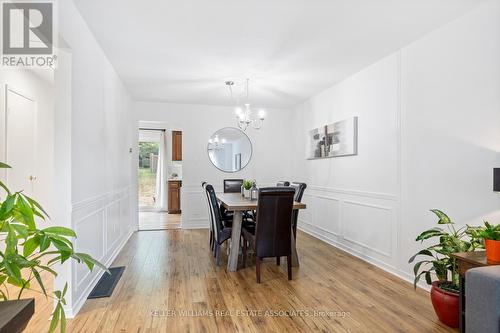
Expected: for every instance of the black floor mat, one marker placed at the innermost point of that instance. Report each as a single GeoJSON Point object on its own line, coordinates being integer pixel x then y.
{"type": "Point", "coordinates": [107, 283]}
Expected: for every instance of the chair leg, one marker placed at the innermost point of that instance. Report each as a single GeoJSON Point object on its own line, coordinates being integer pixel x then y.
{"type": "Point", "coordinates": [289, 266]}
{"type": "Point", "coordinates": [217, 254]}
{"type": "Point", "coordinates": [245, 249]}
{"type": "Point", "coordinates": [211, 239]}
{"type": "Point", "coordinates": [257, 268]}
{"type": "Point", "coordinates": [278, 261]}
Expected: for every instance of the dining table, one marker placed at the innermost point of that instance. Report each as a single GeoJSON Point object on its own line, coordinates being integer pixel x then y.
{"type": "Point", "coordinates": [238, 204]}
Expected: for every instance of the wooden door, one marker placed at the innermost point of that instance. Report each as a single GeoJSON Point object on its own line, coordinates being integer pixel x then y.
{"type": "Point", "coordinates": [176, 146]}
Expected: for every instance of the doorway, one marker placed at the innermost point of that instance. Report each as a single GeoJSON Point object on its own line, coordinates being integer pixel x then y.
{"type": "Point", "coordinates": [148, 167]}
{"type": "Point", "coordinates": [156, 170]}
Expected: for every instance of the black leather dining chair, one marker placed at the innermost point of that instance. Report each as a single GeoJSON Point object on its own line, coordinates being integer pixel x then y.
{"type": "Point", "coordinates": [283, 183]}
{"type": "Point", "coordinates": [210, 218]}
{"type": "Point", "coordinates": [221, 232]}
{"type": "Point", "coordinates": [271, 236]}
{"type": "Point", "coordinates": [299, 192]}
{"type": "Point", "coordinates": [232, 185]}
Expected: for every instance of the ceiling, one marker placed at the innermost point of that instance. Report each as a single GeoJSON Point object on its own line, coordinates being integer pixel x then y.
{"type": "Point", "coordinates": [183, 51]}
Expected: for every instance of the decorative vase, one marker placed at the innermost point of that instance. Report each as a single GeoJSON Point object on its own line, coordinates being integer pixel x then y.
{"type": "Point", "coordinates": [492, 250]}
{"type": "Point", "coordinates": [242, 191]}
{"type": "Point", "coordinates": [445, 304]}
{"type": "Point", "coordinates": [246, 193]}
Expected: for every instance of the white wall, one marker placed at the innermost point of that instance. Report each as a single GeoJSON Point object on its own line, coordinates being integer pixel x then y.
{"type": "Point", "coordinates": [100, 137]}
{"type": "Point", "coordinates": [429, 136]}
{"type": "Point", "coordinates": [272, 149]}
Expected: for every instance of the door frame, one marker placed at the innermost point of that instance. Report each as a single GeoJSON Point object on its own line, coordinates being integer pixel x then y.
{"type": "Point", "coordinates": [19, 92]}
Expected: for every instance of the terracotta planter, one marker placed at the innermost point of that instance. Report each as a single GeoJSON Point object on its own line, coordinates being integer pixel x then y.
{"type": "Point", "coordinates": [445, 304]}
{"type": "Point", "coordinates": [492, 250]}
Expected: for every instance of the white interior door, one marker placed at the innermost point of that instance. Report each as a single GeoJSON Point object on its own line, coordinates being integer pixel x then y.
{"type": "Point", "coordinates": [20, 141]}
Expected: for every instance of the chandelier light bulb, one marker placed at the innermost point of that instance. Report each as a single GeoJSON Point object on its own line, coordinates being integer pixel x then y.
{"type": "Point", "coordinates": [262, 114]}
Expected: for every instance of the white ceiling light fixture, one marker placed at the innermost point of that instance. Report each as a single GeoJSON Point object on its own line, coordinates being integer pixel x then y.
{"type": "Point", "coordinates": [245, 115]}
{"type": "Point", "coordinates": [216, 143]}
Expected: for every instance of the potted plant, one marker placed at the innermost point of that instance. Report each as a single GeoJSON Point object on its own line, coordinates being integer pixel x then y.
{"type": "Point", "coordinates": [491, 235]}
{"type": "Point", "coordinates": [436, 261]}
{"type": "Point", "coordinates": [28, 251]}
{"type": "Point", "coordinates": [247, 185]}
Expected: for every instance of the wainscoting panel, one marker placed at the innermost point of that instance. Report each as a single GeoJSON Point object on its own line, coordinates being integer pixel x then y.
{"type": "Point", "coordinates": [346, 219]}
{"type": "Point", "coordinates": [328, 208]}
{"type": "Point", "coordinates": [360, 219]}
{"type": "Point", "coordinates": [103, 225]}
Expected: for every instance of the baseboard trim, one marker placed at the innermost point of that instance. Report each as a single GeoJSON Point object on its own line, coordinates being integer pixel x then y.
{"type": "Point", "coordinates": [71, 312]}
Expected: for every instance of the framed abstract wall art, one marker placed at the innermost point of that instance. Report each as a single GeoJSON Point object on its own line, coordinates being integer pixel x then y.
{"type": "Point", "coordinates": [334, 140]}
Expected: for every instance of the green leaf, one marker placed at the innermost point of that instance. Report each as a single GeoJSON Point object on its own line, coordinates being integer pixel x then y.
{"type": "Point", "coordinates": [11, 241]}
{"type": "Point", "coordinates": [26, 212]}
{"type": "Point", "coordinates": [2, 185]}
{"type": "Point", "coordinates": [443, 218]}
{"type": "Point", "coordinates": [425, 252]}
{"type": "Point", "coordinates": [55, 318]}
{"type": "Point", "coordinates": [21, 229]}
{"type": "Point", "coordinates": [8, 204]}
{"type": "Point", "coordinates": [30, 245]}
{"type": "Point", "coordinates": [13, 271]}
{"type": "Point", "coordinates": [428, 278]}
{"type": "Point", "coordinates": [4, 166]}
{"type": "Point", "coordinates": [434, 232]}
{"type": "Point", "coordinates": [62, 231]}
{"type": "Point", "coordinates": [36, 204]}
{"type": "Point", "coordinates": [48, 269]}
{"type": "Point", "coordinates": [44, 243]}
{"type": "Point", "coordinates": [63, 319]}
{"type": "Point", "coordinates": [65, 289]}
{"type": "Point", "coordinates": [90, 262]}
{"type": "Point", "coordinates": [39, 280]}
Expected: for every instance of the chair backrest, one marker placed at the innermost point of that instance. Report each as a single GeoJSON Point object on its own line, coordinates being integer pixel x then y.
{"type": "Point", "coordinates": [209, 208]}
{"type": "Point", "coordinates": [274, 219]}
{"type": "Point", "coordinates": [218, 226]}
{"type": "Point", "coordinates": [232, 185]}
{"type": "Point", "coordinates": [283, 183]}
{"type": "Point", "coordinates": [299, 190]}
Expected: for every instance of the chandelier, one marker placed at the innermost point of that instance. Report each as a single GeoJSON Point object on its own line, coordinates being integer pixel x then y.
{"type": "Point", "coordinates": [245, 116]}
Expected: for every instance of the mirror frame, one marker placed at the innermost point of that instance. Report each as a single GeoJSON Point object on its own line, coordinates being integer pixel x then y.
{"type": "Point", "coordinates": [251, 149]}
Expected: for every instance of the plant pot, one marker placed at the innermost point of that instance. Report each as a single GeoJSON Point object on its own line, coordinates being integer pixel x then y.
{"type": "Point", "coordinates": [16, 314]}
{"type": "Point", "coordinates": [445, 304]}
{"type": "Point", "coordinates": [246, 193]}
{"type": "Point", "coordinates": [492, 250]}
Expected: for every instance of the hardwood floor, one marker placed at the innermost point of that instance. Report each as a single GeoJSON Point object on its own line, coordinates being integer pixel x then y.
{"type": "Point", "coordinates": [171, 284]}
{"type": "Point", "coordinates": [159, 221]}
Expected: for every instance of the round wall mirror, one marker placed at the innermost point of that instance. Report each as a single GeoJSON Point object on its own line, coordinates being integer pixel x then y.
{"type": "Point", "coordinates": [229, 149]}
